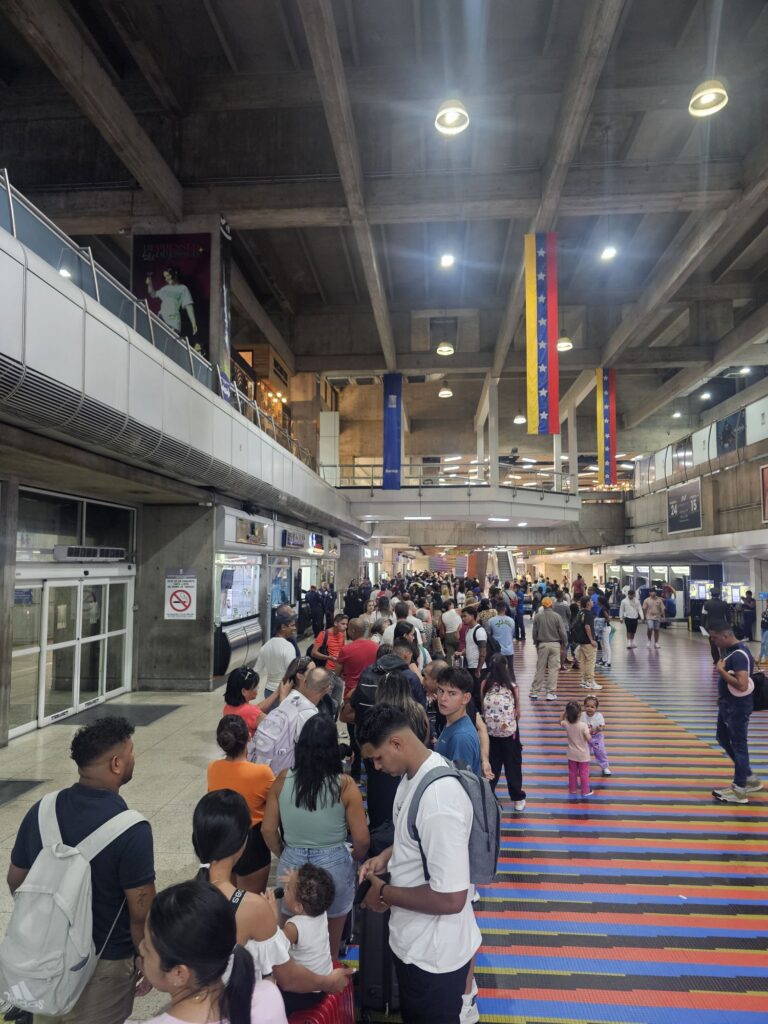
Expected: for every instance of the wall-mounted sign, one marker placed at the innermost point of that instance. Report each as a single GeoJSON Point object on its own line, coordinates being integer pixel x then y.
{"type": "Point", "coordinates": [731, 432]}
{"type": "Point", "coordinates": [316, 545]}
{"type": "Point", "coordinates": [180, 595]}
{"type": "Point", "coordinates": [332, 548]}
{"type": "Point", "coordinates": [684, 507]}
{"type": "Point", "coordinates": [373, 554]}
{"type": "Point", "coordinates": [681, 570]}
{"type": "Point", "coordinates": [294, 539]}
{"type": "Point", "coordinates": [247, 532]}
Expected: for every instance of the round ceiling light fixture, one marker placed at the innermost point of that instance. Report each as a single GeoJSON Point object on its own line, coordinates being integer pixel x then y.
{"type": "Point", "coordinates": [705, 396]}
{"type": "Point", "coordinates": [445, 348]}
{"type": "Point", "coordinates": [708, 98]}
{"type": "Point", "coordinates": [445, 392]}
{"type": "Point", "coordinates": [676, 415]}
{"type": "Point", "coordinates": [447, 260]}
{"type": "Point", "coordinates": [520, 419]}
{"type": "Point", "coordinates": [609, 253]}
{"type": "Point", "coordinates": [564, 343]}
{"type": "Point", "coordinates": [452, 118]}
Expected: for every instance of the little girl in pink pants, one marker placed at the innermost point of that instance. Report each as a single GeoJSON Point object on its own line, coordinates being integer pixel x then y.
{"type": "Point", "coordinates": [596, 723]}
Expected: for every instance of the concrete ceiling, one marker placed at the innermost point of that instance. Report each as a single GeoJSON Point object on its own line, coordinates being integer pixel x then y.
{"type": "Point", "coordinates": [309, 125]}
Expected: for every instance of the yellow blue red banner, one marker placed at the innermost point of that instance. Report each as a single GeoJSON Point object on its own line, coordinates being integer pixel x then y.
{"type": "Point", "coordinates": [606, 426]}
{"type": "Point", "coordinates": [541, 331]}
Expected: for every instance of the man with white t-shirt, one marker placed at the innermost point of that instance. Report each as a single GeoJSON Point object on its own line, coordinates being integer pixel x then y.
{"type": "Point", "coordinates": [402, 614]}
{"type": "Point", "coordinates": [432, 930]}
{"type": "Point", "coordinates": [475, 646]}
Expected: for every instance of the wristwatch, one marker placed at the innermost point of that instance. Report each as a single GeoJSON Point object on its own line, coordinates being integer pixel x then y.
{"type": "Point", "coordinates": [381, 894]}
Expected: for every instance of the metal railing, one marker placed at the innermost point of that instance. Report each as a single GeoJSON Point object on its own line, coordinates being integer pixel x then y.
{"type": "Point", "coordinates": [20, 218]}
{"type": "Point", "coordinates": [429, 472]}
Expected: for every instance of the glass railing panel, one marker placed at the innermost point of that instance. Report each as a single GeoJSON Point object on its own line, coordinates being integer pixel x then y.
{"type": "Point", "coordinates": [113, 298]}
{"type": "Point", "coordinates": [51, 247]}
{"type": "Point", "coordinates": [5, 210]}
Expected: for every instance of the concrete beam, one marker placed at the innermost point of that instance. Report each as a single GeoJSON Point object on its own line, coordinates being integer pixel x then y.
{"type": "Point", "coordinates": [323, 43]}
{"type": "Point", "coordinates": [242, 294]}
{"type": "Point", "coordinates": [591, 51]}
{"type": "Point", "coordinates": [142, 30]}
{"type": "Point", "coordinates": [52, 34]}
{"type": "Point", "coordinates": [404, 199]}
{"type": "Point", "coordinates": [752, 331]}
{"type": "Point", "coordinates": [583, 386]}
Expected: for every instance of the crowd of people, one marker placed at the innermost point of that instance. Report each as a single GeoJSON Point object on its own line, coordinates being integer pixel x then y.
{"type": "Point", "coordinates": [420, 672]}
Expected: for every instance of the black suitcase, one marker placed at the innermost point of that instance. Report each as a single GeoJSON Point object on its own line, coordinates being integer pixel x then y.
{"type": "Point", "coordinates": [377, 979]}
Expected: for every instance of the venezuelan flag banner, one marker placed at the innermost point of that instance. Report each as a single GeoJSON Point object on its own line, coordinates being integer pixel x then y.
{"type": "Point", "coordinates": [606, 426]}
{"type": "Point", "coordinates": [541, 330]}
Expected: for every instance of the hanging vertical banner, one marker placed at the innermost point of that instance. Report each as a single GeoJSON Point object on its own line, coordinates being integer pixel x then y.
{"type": "Point", "coordinates": [606, 426]}
{"type": "Point", "coordinates": [541, 331]}
{"type": "Point", "coordinates": [393, 405]}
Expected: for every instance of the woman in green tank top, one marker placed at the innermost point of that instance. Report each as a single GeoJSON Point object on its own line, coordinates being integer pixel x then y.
{"type": "Point", "coordinates": [310, 810]}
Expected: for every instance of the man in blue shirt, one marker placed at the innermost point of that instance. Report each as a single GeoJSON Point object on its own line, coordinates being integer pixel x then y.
{"type": "Point", "coordinates": [502, 628]}
{"type": "Point", "coordinates": [735, 705]}
{"type": "Point", "coordinates": [458, 741]}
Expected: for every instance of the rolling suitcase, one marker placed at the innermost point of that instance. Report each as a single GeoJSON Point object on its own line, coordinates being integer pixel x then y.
{"type": "Point", "coordinates": [377, 979]}
{"type": "Point", "coordinates": [335, 1009]}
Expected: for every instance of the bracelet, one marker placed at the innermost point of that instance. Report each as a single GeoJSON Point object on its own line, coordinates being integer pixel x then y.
{"type": "Point", "coordinates": [381, 894]}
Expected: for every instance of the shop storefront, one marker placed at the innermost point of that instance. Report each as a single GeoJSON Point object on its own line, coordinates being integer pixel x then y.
{"type": "Point", "coordinates": [72, 614]}
{"type": "Point", "coordinates": [372, 564]}
{"type": "Point", "coordinates": [242, 545]}
{"type": "Point", "coordinates": [302, 559]}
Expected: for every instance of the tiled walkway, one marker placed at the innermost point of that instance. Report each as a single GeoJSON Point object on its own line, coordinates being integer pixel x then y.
{"type": "Point", "coordinates": [648, 904]}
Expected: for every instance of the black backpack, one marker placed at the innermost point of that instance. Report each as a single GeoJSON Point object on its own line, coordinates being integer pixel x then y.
{"type": "Point", "coordinates": [492, 645]}
{"type": "Point", "coordinates": [760, 695]}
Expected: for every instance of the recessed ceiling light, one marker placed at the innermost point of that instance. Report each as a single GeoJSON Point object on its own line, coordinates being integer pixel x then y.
{"type": "Point", "coordinates": [451, 458]}
{"type": "Point", "coordinates": [445, 392]}
{"type": "Point", "coordinates": [497, 519]}
{"type": "Point", "coordinates": [676, 414]}
{"type": "Point", "coordinates": [445, 348]}
{"type": "Point", "coordinates": [452, 118]}
{"type": "Point", "coordinates": [522, 524]}
{"type": "Point", "coordinates": [564, 344]}
{"type": "Point", "coordinates": [520, 419]}
{"type": "Point", "coordinates": [708, 98]}
{"type": "Point", "coordinates": [447, 260]}
{"type": "Point", "coordinates": [609, 253]}
{"type": "Point", "coordinates": [745, 370]}
{"type": "Point", "coordinates": [414, 519]}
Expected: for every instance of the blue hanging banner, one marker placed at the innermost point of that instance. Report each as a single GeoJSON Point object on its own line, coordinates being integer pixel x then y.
{"type": "Point", "coordinates": [393, 405]}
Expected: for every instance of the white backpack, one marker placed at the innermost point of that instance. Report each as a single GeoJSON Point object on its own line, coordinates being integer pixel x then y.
{"type": "Point", "coordinates": [47, 956]}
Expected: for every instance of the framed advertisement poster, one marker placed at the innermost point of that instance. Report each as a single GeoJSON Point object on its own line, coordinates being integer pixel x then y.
{"type": "Point", "coordinates": [764, 492]}
{"type": "Point", "coordinates": [684, 507]}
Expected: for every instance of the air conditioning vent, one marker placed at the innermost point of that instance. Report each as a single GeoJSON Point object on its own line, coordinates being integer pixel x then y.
{"type": "Point", "coordinates": [66, 553]}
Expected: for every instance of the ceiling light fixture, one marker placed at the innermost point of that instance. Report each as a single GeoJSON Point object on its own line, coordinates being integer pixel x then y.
{"type": "Point", "coordinates": [445, 348]}
{"type": "Point", "coordinates": [452, 118]}
{"type": "Point", "coordinates": [705, 396]}
{"type": "Point", "coordinates": [522, 524]}
{"type": "Point", "coordinates": [530, 462]}
{"type": "Point", "coordinates": [445, 392]}
{"type": "Point", "coordinates": [519, 419]}
{"type": "Point", "coordinates": [497, 519]}
{"type": "Point", "coordinates": [564, 344]}
{"type": "Point", "coordinates": [609, 253]}
{"type": "Point", "coordinates": [416, 519]}
{"type": "Point", "coordinates": [447, 260]}
{"type": "Point", "coordinates": [676, 414]}
{"type": "Point", "coordinates": [708, 98]}
{"type": "Point", "coordinates": [745, 371]}
{"type": "Point", "coordinates": [451, 458]}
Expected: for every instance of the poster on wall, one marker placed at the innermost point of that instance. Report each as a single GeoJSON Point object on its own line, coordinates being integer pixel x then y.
{"type": "Point", "coordinates": [731, 433]}
{"type": "Point", "coordinates": [684, 507]}
{"type": "Point", "coordinates": [173, 273]}
{"type": "Point", "coordinates": [180, 595]}
{"type": "Point", "coordinates": [764, 491]}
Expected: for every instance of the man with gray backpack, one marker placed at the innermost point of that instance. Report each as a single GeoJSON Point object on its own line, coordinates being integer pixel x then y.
{"type": "Point", "coordinates": [446, 837]}
{"type": "Point", "coordinates": [82, 876]}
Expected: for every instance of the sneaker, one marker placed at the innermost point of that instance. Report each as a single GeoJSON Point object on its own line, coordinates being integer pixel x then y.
{"type": "Point", "coordinates": [469, 1011]}
{"type": "Point", "coordinates": [519, 805]}
{"type": "Point", "coordinates": [533, 696]}
{"type": "Point", "coordinates": [754, 785]}
{"type": "Point", "coordinates": [731, 795]}
{"type": "Point", "coordinates": [607, 771]}
{"type": "Point", "coordinates": [657, 646]}
{"type": "Point", "coordinates": [551, 696]}
{"type": "Point", "coordinates": [592, 685]}
{"type": "Point", "coordinates": [607, 664]}
{"type": "Point", "coordinates": [629, 647]}
{"type": "Point", "coordinates": [584, 685]}
{"type": "Point", "coordinates": [590, 793]}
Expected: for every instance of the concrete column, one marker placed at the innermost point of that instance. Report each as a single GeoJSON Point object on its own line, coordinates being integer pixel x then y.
{"type": "Point", "coordinates": [481, 445]}
{"type": "Point", "coordinates": [573, 451]}
{"type": "Point", "coordinates": [493, 431]}
{"type": "Point", "coordinates": [175, 654]}
{"type": "Point", "coordinates": [557, 448]}
{"type": "Point", "coordinates": [329, 448]}
{"type": "Point", "coordinates": [9, 513]}
{"type": "Point", "coordinates": [350, 559]}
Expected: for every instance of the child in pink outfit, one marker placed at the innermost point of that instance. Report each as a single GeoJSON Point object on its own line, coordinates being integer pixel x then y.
{"type": "Point", "coordinates": [578, 749]}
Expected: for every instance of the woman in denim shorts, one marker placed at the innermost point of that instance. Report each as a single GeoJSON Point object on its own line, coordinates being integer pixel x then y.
{"type": "Point", "coordinates": [311, 810]}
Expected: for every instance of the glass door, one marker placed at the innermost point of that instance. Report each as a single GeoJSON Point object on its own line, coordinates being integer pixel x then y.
{"type": "Point", "coordinates": [25, 657]}
{"type": "Point", "coordinates": [60, 657]}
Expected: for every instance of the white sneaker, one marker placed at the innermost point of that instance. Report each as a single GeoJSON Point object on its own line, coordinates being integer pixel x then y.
{"type": "Point", "coordinates": [551, 696]}
{"type": "Point", "coordinates": [657, 646]}
{"type": "Point", "coordinates": [607, 771]}
{"type": "Point", "coordinates": [519, 805]}
{"type": "Point", "coordinates": [469, 1011]}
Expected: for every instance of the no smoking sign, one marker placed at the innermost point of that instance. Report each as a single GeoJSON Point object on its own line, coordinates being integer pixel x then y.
{"type": "Point", "coordinates": [180, 596]}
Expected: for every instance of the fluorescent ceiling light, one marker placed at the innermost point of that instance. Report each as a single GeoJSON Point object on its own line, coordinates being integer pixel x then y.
{"type": "Point", "coordinates": [563, 458]}
{"type": "Point", "coordinates": [497, 519]}
{"type": "Point", "coordinates": [530, 483]}
{"type": "Point", "coordinates": [594, 468]}
{"type": "Point", "coordinates": [627, 465]}
{"type": "Point", "coordinates": [514, 476]}
{"type": "Point", "coordinates": [676, 414]}
{"type": "Point", "coordinates": [522, 524]}
{"type": "Point", "coordinates": [745, 370]}
{"type": "Point", "coordinates": [451, 458]}
{"type": "Point", "coordinates": [705, 396]}
{"type": "Point", "coordinates": [447, 260]}
{"type": "Point", "coordinates": [531, 462]}
{"type": "Point", "coordinates": [414, 519]}
{"type": "Point", "coordinates": [621, 455]}
{"type": "Point", "coordinates": [474, 462]}
{"type": "Point", "coordinates": [609, 253]}
{"type": "Point", "coordinates": [452, 118]}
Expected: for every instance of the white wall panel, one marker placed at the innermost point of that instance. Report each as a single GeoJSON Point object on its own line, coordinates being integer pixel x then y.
{"type": "Point", "coordinates": [54, 333]}
{"type": "Point", "coordinates": [11, 300]}
{"type": "Point", "coordinates": [201, 424]}
{"type": "Point", "coordinates": [757, 421]}
{"type": "Point", "coordinates": [177, 406]}
{"type": "Point", "coordinates": [222, 434]}
{"type": "Point", "coordinates": [240, 443]}
{"type": "Point", "coordinates": [660, 460]}
{"type": "Point", "coordinates": [145, 387]}
{"type": "Point", "coordinates": [106, 363]}
{"type": "Point", "coordinates": [700, 445]}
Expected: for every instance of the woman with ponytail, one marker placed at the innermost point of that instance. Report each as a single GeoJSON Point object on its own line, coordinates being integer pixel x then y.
{"type": "Point", "coordinates": [220, 829]}
{"type": "Point", "coordinates": [190, 951]}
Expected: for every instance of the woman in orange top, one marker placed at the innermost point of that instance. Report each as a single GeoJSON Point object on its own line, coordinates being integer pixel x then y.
{"type": "Point", "coordinates": [252, 782]}
{"type": "Point", "coordinates": [242, 685]}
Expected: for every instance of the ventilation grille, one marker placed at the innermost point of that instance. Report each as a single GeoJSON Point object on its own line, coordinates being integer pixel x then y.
{"type": "Point", "coordinates": [73, 553]}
